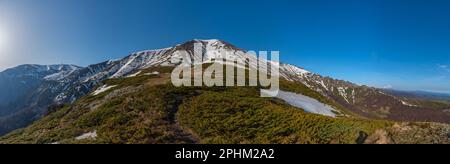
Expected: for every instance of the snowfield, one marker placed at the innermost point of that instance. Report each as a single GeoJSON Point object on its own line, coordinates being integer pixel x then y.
{"type": "Point", "coordinates": [134, 74]}
{"type": "Point", "coordinates": [153, 73]}
{"type": "Point", "coordinates": [306, 103]}
{"type": "Point", "coordinates": [407, 104]}
{"type": "Point", "coordinates": [87, 136]}
{"type": "Point", "coordinates": [102, 89]}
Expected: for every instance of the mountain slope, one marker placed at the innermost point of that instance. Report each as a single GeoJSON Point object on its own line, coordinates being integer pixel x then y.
{"type": "Point", "coordinates": [25, 92]}
{"type": "Point", "coordinates": [368, 101]}
{"type": "Point", "coordinates": [83, 86]}
{"type": "Point", "coordinates": [148, 109]}
{"type": "Point", "coordinates": [66, 84]}
{"type": "Point", "coordinates": [15, 82]}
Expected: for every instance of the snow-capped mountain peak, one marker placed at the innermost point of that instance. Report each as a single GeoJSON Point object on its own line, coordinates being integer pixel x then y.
{"type": "Point", "coordinates": [165, 56]}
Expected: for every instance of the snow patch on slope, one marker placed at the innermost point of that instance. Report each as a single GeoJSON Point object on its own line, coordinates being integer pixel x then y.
{"type": "Point", "coordinates": [407, 104]}
{"type": "Point", "coordinates": [134, 74]}
{"type": "Point", "coordinates": [151, 73]}
{"type": "Point", "coordinates": [322, 84]}
{"type": "Point", "coordinates": [306, 103]}
{"type": "Point", "coordinates": [293, 70]}
{"type": "Point", "coordinates": [102, 89]}
{"type": "Point", "coordinates": [343, 93]}
{"type": "Point", "coordinates": [126, 67]}
{"type": "Point", "coordinates": [89, 135]}
{"type": "Point", "coordinates": [64, 71]}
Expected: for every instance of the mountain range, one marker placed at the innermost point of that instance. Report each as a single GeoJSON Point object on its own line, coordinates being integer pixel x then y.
{"type": "Point", "coordinates": [419, 94]}
{"type": "Point", "coordinates": [59, 104]}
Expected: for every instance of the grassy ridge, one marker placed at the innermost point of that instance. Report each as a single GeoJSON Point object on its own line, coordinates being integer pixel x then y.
{"type": "Point", "coordinates": [142, 110]}
{"type": "Point", "coordinates": [239, 115]}
{"type": "Point", "coordinates": [215, 115]}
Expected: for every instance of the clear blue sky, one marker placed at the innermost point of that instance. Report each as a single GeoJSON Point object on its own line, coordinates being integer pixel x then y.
{"type": "Point", "coordinates": [400, 43]}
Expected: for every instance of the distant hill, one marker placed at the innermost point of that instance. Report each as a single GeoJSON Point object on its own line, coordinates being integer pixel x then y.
{"type": "Point", "coordinates": [420, 94]}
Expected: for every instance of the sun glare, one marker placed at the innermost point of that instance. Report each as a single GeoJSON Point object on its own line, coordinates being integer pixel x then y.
{"type": "Point", "coordinates": [2, 40]}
